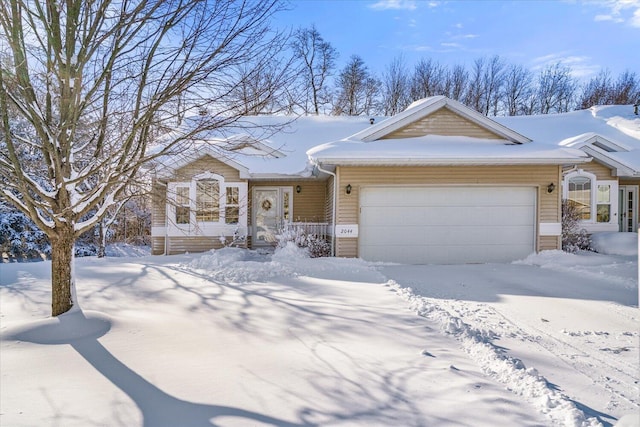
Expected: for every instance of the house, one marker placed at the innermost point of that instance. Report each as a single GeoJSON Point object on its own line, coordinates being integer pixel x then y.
{"type": "Point", "coordinates": [437, 183]}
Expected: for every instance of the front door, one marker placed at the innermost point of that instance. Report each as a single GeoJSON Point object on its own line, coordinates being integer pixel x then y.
{"type": "Point", "coordinates": [628, 220]}
{"type": "Point", "coordinates": [271, 210]}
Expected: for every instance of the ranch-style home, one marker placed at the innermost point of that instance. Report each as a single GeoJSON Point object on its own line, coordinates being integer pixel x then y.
{"type": "Point", "coordinates": [437, 183]}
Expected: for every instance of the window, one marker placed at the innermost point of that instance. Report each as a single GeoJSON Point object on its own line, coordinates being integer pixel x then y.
{"type": "Point", "coordinates": [285, 205]}
{"type": "Point", "coordinates": [579, 195]}
{"type": "Point", "coordinates": [232, 209]}
{"type": "Point", "coordinates": [207, 201]}
{"type": "Point", "coordinates": [603, 207]}
{"type": "Point", "coordinates": [595, 199]}
{"type": "Point", "coordinates": [182, 205]}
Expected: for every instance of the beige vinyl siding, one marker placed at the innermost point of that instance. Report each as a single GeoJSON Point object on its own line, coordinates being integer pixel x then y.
{"type": "Point", "coordinates": [158, 204]}
{"type": "Point", "coordinates": [443, 122]}
{"type": "Point", "coordinates": [157, 245]}
{"type": "Point", "coordinates": [328, 207]}
{"type": "Point", "coordinates": [158, 215]}
{"type": "Point", "coordinates": [536, 176]}
{"type": "Point", "coordinates": [598, 169]}
{"type": "Point", "coordinates": [328, 204]}
{"type": "Point", "coordinates": [547, 243]}
{"type": "Point", "coordinates": [179, 245]}
{"type": "Point", "coordinates": [206, 164]}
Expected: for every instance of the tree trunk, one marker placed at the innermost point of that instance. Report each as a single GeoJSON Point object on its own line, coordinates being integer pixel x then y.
{"type": "Point", "coordinates": [103, 238]}
{"type": "Point", "coordinates": [61, 270]}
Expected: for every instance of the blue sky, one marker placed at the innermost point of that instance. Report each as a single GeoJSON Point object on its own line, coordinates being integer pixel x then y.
{"type": "Point", "coordinates": [586, 35]}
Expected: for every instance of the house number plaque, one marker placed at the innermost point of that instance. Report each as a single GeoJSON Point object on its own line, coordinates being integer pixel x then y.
{"type": "Point", "coordinates": [347, 230]}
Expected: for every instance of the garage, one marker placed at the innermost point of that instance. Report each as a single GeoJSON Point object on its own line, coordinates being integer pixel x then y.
{"type": "Point", "coordinates": [447, 224]}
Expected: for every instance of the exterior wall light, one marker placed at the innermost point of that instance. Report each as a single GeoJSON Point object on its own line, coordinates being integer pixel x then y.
{"type": "Point", "coordinates": [298, 188]}
{"type": "Point", "coordinates": [551, 187]}
{"type": "Point", "coordinates": [348, 188]}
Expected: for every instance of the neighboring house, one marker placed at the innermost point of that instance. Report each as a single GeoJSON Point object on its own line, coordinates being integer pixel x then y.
{"type": "Point", "coordinates": [437, 183]}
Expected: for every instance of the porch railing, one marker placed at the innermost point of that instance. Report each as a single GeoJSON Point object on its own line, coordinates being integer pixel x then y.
{"type": "Point", "coordinates": [319, 229]}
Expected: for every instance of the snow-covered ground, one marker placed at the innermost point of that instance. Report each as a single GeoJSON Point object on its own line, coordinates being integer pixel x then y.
{"type": "Point", "coordinates": [235, 337]}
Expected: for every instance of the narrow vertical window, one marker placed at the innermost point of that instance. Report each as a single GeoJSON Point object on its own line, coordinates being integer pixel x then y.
{"type": "Point", "coordinates": [603, 206]}
{"type": "Point", "coordinates": [232, 209]}
{"type": "Point", "coordinates": [285, 206]}
{"type": "Point", "coordinates": [579, 195]}
{"type": "Point", "coordinates": [207, 201]}
{"type": "Point", "coordinates": [182, 205]}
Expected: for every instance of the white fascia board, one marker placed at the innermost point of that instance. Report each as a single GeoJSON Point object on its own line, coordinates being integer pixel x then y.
{"type": "Point", "coordinates": [600, 155]}
{"type": "Point", "coordinates": [278, 176]}
{"type": "Point", "coordinates": [452, 161]}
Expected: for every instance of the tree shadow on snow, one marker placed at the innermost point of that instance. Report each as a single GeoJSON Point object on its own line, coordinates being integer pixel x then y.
{"type": "Point", "coordinates": [81, 331]}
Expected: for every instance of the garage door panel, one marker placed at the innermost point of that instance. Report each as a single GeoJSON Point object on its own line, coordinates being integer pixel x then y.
{"type": "Point", "coordinates": [447, 224]}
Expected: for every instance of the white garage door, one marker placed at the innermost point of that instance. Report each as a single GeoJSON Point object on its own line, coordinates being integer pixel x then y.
{"type": "Point", "coordinates": [446, 225]}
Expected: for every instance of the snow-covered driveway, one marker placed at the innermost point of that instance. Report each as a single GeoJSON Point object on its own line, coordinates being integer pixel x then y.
{"type": "Point", "coordinates": [573, 319]}
{"type": "Point", "coordinates": [235, 338]}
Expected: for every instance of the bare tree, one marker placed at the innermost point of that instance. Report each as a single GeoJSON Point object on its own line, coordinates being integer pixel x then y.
{"type": "Point", "coordinates": [395, 88]}
{"type": "Point", "coordinates": [428, 79]}
{"type": "Point", "coordinates": [485, 85]}
{"type": "Point", "coordinates": [597, 91]}
{"type": "Point", "coordinates": [456, 82]}
{"type": "Point", "coordinates": [263, 87]}
{"type": "Point", "coordinates": [517, 89]}
{"type": "Point", "coordinates": [93, 83]}
{"type": "Point", "coordinates": [318, 62]}
{"type": "Point", "coordinates": [626, 89]}
{"type": "Point", "coordinates": [356, 89]}
{"type": "Point", "coordinates": [556, 89]}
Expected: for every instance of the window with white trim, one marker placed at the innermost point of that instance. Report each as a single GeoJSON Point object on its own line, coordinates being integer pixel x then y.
{"type": "Point", "coordinates": [232, 208]}
{"type": "Point", "coordinates": [183, 210]}
{"type": "Point", "coordinates": [603, 206]}
{"type": "Point", "coordinates": [579, 195]}
{"type": "Point", "coordinates": [207, 201]}
{"type": "Point", "coordinates": [596, 200]}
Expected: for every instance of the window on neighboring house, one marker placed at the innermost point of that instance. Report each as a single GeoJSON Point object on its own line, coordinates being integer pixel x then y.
{"type": "Point", "coordinates": [603, 206]}
{"type": "Point", "coordinates": [579, 195]}
{"type": "Point", "coordinates": [182, 205]}
{"type": "Point", "coordinates": [232, 208]}
{"type": "Point", "coordinates": [207, 201]}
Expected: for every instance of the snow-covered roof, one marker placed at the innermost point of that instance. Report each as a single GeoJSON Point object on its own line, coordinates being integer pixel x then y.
{"type": "Point", "coordinates": [611, 134]}
{"type": "Point", "coordinates": [373, 147]}
{"type": "Point", "coordinates": [268, 147]}
{"type": "Point", "coordinates": [441, 150]}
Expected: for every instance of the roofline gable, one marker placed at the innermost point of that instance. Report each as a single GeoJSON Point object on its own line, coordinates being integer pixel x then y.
{"type": "Point", "coordinates": [621, 169]}
{"type": "Point", "coordinates": [590, 139]}
{"type": "Point", "coordinates": [423, 108]}
{"type": "Point", "coordinates": [177, 162]}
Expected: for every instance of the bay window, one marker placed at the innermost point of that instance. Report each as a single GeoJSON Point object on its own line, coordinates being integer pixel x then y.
{"type": "Point", "coordinates": [206, 205]}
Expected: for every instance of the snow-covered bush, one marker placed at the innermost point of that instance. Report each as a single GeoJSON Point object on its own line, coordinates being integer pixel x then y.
{"type": "Point", "coordinates": [574, 238]}
{"type": "Point", "coordinates": [20, 238]}
{"type": "Point", "coordinates": [316, 246]}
